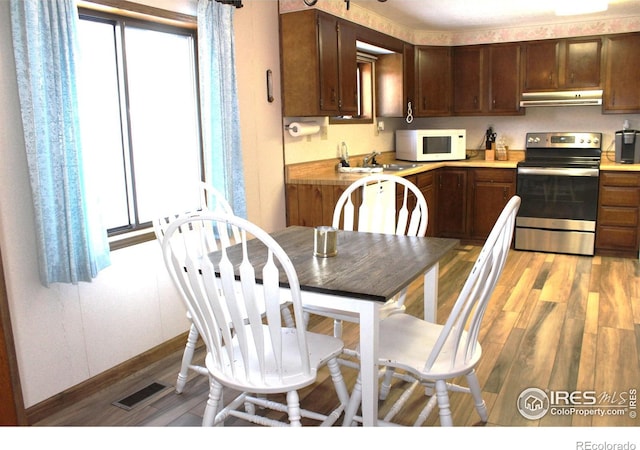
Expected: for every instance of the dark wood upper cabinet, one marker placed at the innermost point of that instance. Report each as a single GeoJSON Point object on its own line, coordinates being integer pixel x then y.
{"type": "Point", "coordinates": [409, 91]}
{"type": "Point", "coordinates": [541, 65]}
{"type": "Point", "coordinates": [504, 79]}
{"type": "Point", "coordinates": [583, 63]}
{"type": "Point", "coordinates": [486, 79]}
{"type": "Point", "coordinates": [347, 68]}
{"type": "Point", "coordinates": [433, 81]}
{"type": "Point", "coordinates": [622, 74]}
{"type": "Point", "coordinates": [318, 59]}
{"type": "Point", "coordinates": [468, 91]}
{"type": "Point", "coordinates": [562, 64]}
{"type": "Point", "coordinates": [390, 85]}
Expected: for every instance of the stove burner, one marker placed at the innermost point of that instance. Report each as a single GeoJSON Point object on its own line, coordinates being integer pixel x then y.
{"type": "Point", "coordinates": [563, 149]}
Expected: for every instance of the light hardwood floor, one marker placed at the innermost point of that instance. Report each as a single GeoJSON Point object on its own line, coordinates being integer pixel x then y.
{"type": "Point", "coordinates": [555, 322]}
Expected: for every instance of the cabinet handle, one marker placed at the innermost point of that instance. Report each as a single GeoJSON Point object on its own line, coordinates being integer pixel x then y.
{"type": "Point", "coordinates": [572, 77]}
{"type": "Point", "coordinates": [475, 101]}
{"type": "Point", "coordinates": [504, 193]}
{"type": "Point", "coordinates": [424, 103]}
{"type": "Point", "coordinates": [333, 95]}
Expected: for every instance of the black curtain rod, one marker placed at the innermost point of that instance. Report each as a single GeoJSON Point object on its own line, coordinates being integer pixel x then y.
{"type": "Point", "coordinates": [236, 3]}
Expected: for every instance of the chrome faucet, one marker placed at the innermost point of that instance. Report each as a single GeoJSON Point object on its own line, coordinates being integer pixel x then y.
{"type": "Point", "coordinates": [370, 159]}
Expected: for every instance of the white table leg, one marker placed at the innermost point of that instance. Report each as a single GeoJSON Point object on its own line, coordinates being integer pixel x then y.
{"type": "Point", "coordinates": [369, 321]}
{"type": "Point", "coordinates": [431, 293]}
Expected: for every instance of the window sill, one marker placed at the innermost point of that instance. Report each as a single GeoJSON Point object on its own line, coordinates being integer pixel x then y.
{"type": "Point", "coordinates": [340, 120]}
{"type": "Point", "coordinates": [132, 238]}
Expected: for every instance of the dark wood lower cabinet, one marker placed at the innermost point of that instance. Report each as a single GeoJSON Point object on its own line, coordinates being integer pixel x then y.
{"type": "Point", "coordinates": [463, 203]}
{"type": "Point", "coordinates": [491, 189]}
{"type": "Point", "coordinates": [452, 202]}
{"type": "Point", "coordinates": [618, 221]}
{"type": "Point", "coordinates": [426, 182]}
{"type": "Point", "coordinates": [311, 205]}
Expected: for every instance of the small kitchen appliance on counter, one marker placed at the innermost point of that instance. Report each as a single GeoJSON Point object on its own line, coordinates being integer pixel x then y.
{"type": "Point", "coordinates": [431, 145]}
{"type": "Point", "coordinates": [628, 147]}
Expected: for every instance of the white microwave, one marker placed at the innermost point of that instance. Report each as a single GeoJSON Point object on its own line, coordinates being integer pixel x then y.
{"type": "Point", "coordinates": [431, 145]}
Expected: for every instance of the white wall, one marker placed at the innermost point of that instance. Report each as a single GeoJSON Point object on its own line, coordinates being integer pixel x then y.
{"type": "Point", "coordinates": [66, 334]}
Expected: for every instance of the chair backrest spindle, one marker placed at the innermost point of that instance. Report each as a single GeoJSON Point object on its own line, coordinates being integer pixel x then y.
{"type": "Point", "coordinates": [471, 304]}
{"type": "Point", "coordinates": [377, 211]}
{"type": "Point", "coordinates": [244, 343]}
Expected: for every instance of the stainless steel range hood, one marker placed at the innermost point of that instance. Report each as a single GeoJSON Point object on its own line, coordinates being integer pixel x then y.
{"type": "Point", "coordinates": [561, 98]}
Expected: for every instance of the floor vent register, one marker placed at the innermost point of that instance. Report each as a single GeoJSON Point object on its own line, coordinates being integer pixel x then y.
{"type": "Point", "coordinates": [137, 397]}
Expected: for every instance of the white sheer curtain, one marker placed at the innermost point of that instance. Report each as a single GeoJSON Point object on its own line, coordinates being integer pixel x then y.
{"type": "Point", "coordinates": [219, 102]}
{"type": "Point", "coordinates": [72, 245]}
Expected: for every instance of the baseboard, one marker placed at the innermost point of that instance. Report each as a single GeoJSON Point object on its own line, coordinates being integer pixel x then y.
{"type": "Point", "coordinates": [89, 387]}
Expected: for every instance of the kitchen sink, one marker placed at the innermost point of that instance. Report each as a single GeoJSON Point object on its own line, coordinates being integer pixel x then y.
{"type": "Point", "coordinates": [360, 169]}
{"type": "Point", "coordinates": [398, 167]}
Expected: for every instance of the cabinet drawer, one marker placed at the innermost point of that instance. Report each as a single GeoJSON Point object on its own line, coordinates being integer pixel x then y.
{"type": "Point", "coordinates": [620, 179]}
{"type": "Point", "coordinates": [616, 238]}
{"type": "Point", "coordinates": [494, 175]}
{"type": "Point", "coordinates": [611, 215]}
{"type": "Point", "coordinates": [425, 179]}
{"type": "Point", "coordinates": [619, 196]}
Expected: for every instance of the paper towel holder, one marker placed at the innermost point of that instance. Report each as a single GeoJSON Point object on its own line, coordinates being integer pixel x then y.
{"type": "Point", "coordinates": [294, 127]}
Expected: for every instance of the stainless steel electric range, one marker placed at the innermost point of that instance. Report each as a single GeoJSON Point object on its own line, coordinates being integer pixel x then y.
{"type": "Point", "coordinates": [558, 184]}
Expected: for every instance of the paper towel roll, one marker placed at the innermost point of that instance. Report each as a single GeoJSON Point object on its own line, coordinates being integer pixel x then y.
{"type": "Point", "coordinates": [303, 128]}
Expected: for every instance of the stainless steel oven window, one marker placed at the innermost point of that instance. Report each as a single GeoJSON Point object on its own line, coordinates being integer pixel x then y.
{"type": "Point", "coordinates": [558, 193]}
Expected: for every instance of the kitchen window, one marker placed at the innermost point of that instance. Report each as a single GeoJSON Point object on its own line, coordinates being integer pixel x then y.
{"type": "Point", "coordinates": [139, 116]}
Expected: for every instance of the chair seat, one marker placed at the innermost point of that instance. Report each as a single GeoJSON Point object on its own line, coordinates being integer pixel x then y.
{"type": "Point", "coordinates": [405, 342]}
{"type": "Point", "coordinates": [321, 348]}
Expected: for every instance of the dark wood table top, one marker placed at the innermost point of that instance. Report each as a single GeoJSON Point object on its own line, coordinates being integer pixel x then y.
{"type": "Point", "coordinates": [368, 265]}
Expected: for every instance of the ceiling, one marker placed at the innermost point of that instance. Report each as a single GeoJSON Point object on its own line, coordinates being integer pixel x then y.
{"type": "Point", "coordinates": [465, 15]}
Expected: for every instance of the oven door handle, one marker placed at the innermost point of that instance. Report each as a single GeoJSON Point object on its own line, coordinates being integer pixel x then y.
{"type": "Point", "coordinates": [560, 172]}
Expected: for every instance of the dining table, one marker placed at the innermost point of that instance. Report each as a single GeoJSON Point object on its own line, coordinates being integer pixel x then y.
{"type": "Point", "coordinates": [368, 270]}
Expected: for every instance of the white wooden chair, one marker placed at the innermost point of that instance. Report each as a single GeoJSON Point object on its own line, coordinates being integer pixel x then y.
{"type": "Point", "coordinates": [431, 354]}
{"type": "Point", "coordinates": [248, 351]}
{"type": "Point", "coordinates": [210, 200]}
{"type": "Point", "coordinates": [377, 213]}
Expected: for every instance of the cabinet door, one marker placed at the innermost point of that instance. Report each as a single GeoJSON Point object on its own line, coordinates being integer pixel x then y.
{"type": "Point", "coordinates": [410, 87]}
{"type": "Point", "coordinates": [426, 183]}
{"type": "Point", "coordinates": [492, 189]}
{"type": "Point", "coordinates": [389, 86]}
{"type": "Point", "coordinates": [299, 63]}
{"type": "Point", "coordinates": [468, 66]}
{"type": "Point", "coordinates": [328, 67]}
{"type": "Point", "coordinates": [582, 63]}
{"type": "Point", "coordinates": [434, 81]}
{"type": "Point", "coordinates": [541, 65]}
{"type": "Point", "coordinates": [504, 78]}
{"type": "Point", "coordinates": [622, 74]}
{"type": "Point", "coordinates": [348, 69]}
{"type": "Point", "coordinates": [452, 201]}
{"type": "Point", "coordinates": [311, 205]}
